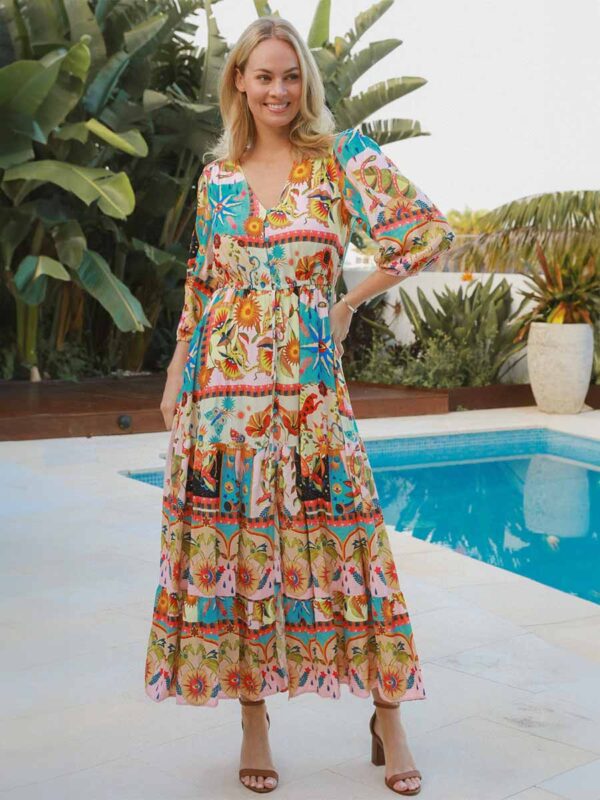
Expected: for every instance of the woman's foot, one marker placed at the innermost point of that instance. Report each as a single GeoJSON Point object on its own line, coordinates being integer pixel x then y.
{"type": "Point", "coordinates": [256, 750]}
{"type": "Point", "coordinates": [398, 757]}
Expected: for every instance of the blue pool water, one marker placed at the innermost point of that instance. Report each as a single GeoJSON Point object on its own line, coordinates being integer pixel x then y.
{"type": "Point", "coordinates": [525, 500]}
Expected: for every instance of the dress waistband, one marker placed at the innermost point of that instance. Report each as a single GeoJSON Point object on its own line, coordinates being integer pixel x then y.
{"type": "Point", "coordinates": [282, 288]}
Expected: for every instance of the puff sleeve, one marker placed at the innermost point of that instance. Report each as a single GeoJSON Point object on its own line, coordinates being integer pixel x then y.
{"type": "Point", "coordinates": [411, 230]}
{"type": "Point", "coordinates": [199, 282]}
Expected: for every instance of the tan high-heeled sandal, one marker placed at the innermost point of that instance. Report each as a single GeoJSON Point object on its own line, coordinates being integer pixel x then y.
{"type": "Point", "coordinates": [378, 755]}
{"type": "Point", "coordinates": [257, 773]}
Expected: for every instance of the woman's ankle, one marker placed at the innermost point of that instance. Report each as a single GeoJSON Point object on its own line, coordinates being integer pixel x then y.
{"type": "Point", "coordinates": [381, 702]}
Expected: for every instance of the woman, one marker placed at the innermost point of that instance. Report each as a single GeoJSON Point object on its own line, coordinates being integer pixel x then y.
{"type": "Point", "coordinates": [276, 572]}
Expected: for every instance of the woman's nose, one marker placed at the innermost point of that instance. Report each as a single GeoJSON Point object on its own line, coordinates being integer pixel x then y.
{"type": "Point", "coordinates": [278, 90]}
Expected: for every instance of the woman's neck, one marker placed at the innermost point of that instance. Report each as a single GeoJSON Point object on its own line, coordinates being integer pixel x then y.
{"type": "Point", "coordinates": [271, 143]}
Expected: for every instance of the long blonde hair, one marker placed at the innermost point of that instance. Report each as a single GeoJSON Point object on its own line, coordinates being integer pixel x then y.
{"type": "Point", "coordinates": [313, 128]}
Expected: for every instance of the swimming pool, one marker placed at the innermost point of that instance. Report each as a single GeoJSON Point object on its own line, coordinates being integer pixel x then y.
{"type": "Point", "coordinates": [526, 500]}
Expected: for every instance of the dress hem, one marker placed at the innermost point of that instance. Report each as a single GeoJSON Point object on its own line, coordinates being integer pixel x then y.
{"type": "Point", "coordinates": [411, 694]}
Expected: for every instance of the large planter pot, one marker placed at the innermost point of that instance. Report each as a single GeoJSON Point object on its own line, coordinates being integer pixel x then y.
{"type": "Point", "coordinates": [559, 362]}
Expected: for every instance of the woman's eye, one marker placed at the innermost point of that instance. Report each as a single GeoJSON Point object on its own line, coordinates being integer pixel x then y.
{"type": "Point", "coordinates": [266, 77]}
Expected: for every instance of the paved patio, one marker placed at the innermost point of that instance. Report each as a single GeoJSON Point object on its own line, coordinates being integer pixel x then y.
{"type": "Point", "coordinates": [511, 667]}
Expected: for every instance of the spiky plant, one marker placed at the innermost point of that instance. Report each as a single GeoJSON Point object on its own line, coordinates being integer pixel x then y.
{"type": "Point", "coordinates": [567, 292]}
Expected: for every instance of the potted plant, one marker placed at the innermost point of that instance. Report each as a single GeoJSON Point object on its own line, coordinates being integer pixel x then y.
{"type": "Point", "coordinates": [562, 228]}
{"type": "Point", "coordinates": [560, 332]}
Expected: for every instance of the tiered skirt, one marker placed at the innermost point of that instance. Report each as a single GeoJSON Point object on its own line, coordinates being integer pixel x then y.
{"type": "Point", "coordinates": [276, 573]}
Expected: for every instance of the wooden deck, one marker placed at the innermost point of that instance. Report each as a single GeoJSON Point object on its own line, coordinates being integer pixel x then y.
{"type": "Point", "coordinates": [101, 406]}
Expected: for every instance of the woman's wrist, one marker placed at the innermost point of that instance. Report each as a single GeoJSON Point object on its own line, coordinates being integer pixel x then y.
{"type": "Point", "coordinates": [352, 306]}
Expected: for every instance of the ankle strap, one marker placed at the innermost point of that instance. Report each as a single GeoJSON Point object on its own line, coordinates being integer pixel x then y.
{"type": "Point", "coordinates": [385, 705]}
{"type": "Point", "coordinates": [250, 702]}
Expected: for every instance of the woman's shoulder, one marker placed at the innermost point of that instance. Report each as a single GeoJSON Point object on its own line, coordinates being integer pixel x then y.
{"type": "Point", "coordinates": [351, 142]}
{"type": "Point", "coordinates": [218, 169]}
{"type": "Point", "coordinates": [211, 166]}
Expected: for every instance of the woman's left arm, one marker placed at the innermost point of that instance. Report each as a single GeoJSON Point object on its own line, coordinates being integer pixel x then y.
{"type": "Point", "coordinates": [411, 230]}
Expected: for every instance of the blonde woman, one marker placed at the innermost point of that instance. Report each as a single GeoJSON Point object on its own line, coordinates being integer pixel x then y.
{"type": "Point", "coordinates": [276, 572]}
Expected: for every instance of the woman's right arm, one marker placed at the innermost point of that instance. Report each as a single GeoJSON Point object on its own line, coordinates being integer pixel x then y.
{"type": "Point", "coordinates": [198, 289]}
{"type": "Point", "coordinates": [168, 404]}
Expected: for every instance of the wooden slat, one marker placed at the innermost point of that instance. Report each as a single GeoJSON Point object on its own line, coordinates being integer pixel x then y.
{"type": "Point", "coordinates": [94, 406]}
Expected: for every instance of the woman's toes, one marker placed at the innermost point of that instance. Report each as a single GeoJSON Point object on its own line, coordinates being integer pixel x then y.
{"type": "Point", "coordinates": [270, 782]}
{"type": "Point", "coordinates": [401, 785]}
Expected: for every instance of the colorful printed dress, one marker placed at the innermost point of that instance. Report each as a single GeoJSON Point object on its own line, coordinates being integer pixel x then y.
{"type": "Point", "coordinates": [276, 572]}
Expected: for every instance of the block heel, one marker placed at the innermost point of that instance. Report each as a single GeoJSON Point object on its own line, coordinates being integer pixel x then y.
{"type": "Point", "coordinates": [378, 755]}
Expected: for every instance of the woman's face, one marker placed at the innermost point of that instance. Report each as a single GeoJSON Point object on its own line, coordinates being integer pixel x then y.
{"type": "Point", "coordinates": [272, 83]}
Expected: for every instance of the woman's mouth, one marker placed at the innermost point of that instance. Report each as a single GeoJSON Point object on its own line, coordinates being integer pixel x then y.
{"type": "Point", "coordinates": [277, 108]}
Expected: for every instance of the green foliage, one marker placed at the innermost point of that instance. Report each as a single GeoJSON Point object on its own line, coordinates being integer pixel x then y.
{"type": "Point", "coordinates": [464, 342]}
{"type": "Point", "coordinates": [98, 161]}
{"type": "Point", "coordinates": [69, 364]}
{"type": "Point", "coordinates": [379, 362]}
{"type": "Point", "coordinates": [565, 293]}
{"type": "Point", "coordinates": [596, 363]}
{"type": "Point", "coordinates": [561, 223]}
{"type": "Point", "coordinates": [478, 318]}
{"type": "Point", "coordinates": [467, 222]}
{"type": "Point", "coordinates": [107, 113]}
{"type": "Point", "coordinates": [446, 361]}
{"type": "Point", "coordinates": [342, 64]}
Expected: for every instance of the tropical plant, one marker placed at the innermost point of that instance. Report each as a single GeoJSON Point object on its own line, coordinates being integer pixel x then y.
{"type": "Point", "coordinates": [475, 316]}
{"type": "Point", "coordinates": [561, 223]}
{"type": "Point", "coordinates": [467, 225]}
{"type": "Point", "coordinates": [340, 67]}
{"type": "Point", "coordinates": [596, 362]}
{"type": "Point", "coordinates": [444, 362]}
{"type": "Point", "coordinates": [565, 228]}
{"type": "Point", "coordinates": [43, 240]}
{"type": "Point", "coordinates": [107, 113]}
{"type": "Point", "coordinates": [378, 357]}
{"type": "Point", "coordinates": [567, 292]}
{"type": "Point", "coordinates": [73, 114]}
{"type": "Point", "coordinates": [468, 222]}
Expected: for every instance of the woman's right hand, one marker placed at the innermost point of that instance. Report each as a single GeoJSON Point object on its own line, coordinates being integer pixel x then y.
{"type": "Point", "coordinates": [168, 404]}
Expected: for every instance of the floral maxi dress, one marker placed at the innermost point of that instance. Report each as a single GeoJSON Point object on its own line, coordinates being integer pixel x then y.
{"type": "Point", "coordinates": [276, 572]}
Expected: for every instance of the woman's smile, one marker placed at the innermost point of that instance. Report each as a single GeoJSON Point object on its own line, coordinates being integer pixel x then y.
{"type": "Point", "coordinates": [277, 108]}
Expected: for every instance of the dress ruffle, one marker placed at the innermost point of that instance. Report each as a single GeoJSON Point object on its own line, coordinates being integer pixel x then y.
{"type": "Point", "coordinates": [302, 599]}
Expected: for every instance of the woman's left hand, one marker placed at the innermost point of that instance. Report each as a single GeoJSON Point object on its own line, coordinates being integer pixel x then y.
{"type": "Point", "coordinates": [340, 317]}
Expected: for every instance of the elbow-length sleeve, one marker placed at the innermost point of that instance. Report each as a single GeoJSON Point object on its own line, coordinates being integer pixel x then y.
{"type": "Point", "coordinates": [199, 283]}
{"type": "Point", "coordinates": [410, 229]}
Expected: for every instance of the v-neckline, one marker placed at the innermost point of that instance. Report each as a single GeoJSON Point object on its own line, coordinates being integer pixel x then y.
{"type": "Point", "coordinates": [282, 194]}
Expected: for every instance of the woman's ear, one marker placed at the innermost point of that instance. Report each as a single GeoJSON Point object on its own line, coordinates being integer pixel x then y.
{"type": "Point", "coordinates": [239, 79]}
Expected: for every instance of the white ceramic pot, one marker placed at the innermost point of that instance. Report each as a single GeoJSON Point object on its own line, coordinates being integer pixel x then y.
{"type": "Point", "coordinates": [559, 362]}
